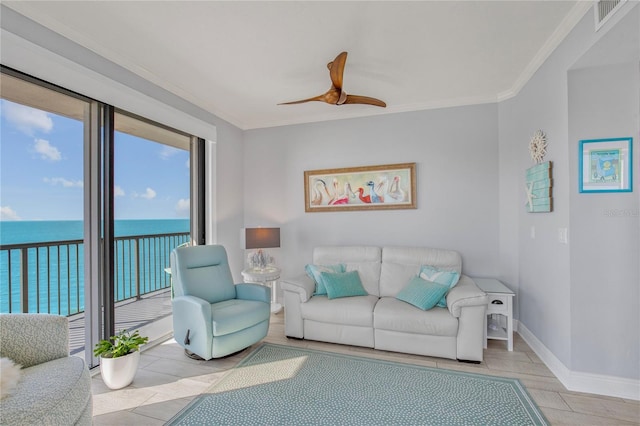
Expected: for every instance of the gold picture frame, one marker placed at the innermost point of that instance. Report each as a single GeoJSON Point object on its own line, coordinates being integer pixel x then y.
{"type": "Point", "coordinates": [383, 187]}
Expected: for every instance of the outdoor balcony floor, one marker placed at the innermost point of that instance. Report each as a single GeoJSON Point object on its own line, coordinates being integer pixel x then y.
{"type": "Point", "coordinates": [129, 314]}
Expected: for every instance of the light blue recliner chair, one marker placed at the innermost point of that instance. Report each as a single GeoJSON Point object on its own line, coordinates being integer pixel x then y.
{"type": "Point", "coordinates": [212, 316]}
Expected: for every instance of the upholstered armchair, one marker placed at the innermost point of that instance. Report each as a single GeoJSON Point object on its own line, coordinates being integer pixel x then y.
{"type": "Point", "coordinates": [212, 316]}
{"type": "Point", "coordinates": [54, 388]}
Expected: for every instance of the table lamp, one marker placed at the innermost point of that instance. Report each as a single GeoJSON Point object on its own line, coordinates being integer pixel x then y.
{"type": "Point", "coordinates": [261, 238]}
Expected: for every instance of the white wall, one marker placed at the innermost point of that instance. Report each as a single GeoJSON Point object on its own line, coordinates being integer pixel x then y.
{"type": "Point", "coordinates": [541, 276]}
{"type": "Point", "coordinates": [580, 305]}
{"type": "Point", "coordinates": [229, 203]}
{"type": "Point", "coordinates": [456, 151]}
{"type": "Point", "coordinates": [604, 102]}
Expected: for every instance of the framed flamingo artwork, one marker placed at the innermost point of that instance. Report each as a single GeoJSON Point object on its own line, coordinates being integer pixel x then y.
{"type": "Point", "coordinates": [389, 186]}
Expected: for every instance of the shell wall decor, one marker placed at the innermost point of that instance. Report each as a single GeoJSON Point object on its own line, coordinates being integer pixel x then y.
{"type": "Point", "coordinates": [538, 146]}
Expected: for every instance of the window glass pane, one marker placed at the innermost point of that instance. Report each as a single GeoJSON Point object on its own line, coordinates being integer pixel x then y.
{"type": "Point", "coordinates": [152, 210]}
{"type": "Point", "coordinates": [42, 202]}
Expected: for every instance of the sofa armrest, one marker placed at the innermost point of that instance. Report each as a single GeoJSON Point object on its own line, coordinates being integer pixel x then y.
{"type": "Point", "coordinates": [32, 339]}
{"type": "Point", "coordinates": [296, 291]}
{"type": "Point", "coordinates": [257, 292]}
{"type": "Point", "coordinates": [303, 285]}
{"type": "Point", "coordinates": [465, 293]}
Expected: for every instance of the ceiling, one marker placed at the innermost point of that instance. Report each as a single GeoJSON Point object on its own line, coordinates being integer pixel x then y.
{"type": "Point", "coordinates": [239, 59]}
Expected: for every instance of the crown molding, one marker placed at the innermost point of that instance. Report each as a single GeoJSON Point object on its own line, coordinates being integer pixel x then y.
{"type": "Point", "coordinates": [561, 32]}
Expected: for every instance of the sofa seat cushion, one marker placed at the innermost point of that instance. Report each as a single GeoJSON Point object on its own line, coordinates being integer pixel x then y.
{"type": "Point", "coordinates": [395, 315]}
{"type": "Point", "coordinates": [55, 392]}
{"type": "Point", "coordinates": [234, 315]}
{"type": "Point", "coordinates": [356, 310]}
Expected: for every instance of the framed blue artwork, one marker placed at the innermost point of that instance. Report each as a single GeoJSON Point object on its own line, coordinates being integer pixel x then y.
{"type": "Point", "coordinates": [605, 165]}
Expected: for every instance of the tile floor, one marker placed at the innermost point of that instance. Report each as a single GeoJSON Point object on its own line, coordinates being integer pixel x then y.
{"type": "Point", "coordinates": [167, 381]}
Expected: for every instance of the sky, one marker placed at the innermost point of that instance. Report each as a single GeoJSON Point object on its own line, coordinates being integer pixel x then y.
{"type": "Point", "coordinates": [41, 171]}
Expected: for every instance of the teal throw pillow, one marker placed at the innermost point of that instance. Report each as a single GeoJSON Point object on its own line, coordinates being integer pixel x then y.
{"type": "Point", "coordinates": [442, 277]}
{"type": "Point", "coordinates": [315, 271]}
{"type": "Point", "coordinates": [422, 294]}
{"type": "Point", "coordinates": [343, 284]}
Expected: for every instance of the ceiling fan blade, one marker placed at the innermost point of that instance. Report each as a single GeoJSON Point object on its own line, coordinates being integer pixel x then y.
{"type": "Point", "coordinates": [315, 98]}
{"type": "Point", "coordinates": [336, 70]}
{"type": "Point", "coordinates": [331, 96]}
{"type": "Point", "coordinates": [355, 99]}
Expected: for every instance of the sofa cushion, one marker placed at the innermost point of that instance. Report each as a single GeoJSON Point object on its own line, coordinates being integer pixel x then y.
{"type": "Point", "coordinates": [400, 264]}
{"type": "Point", "coordinates": [442, 277]}
{"type": "Point", "coordinates": [55, 393]}
{"type": "Point", "coordinates": [343, 284]}
{"type": "Point", "coordinates": [315, 271]}
{"type": "Point", "coordinates": [364, 259]}
{"type": "Point", "coordinates": [395, 315]}
{"type": "Point", "coordinates": [421, 293]}
{"type": "Point", "coordinates": [356, 310]}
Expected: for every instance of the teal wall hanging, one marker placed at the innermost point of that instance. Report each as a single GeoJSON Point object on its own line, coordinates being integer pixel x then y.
{"type": "Point", "coordinates": [539, 182]}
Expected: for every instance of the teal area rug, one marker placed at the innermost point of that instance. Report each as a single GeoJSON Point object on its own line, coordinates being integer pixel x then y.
{"type": "Point", "coordinates": [281, 385]}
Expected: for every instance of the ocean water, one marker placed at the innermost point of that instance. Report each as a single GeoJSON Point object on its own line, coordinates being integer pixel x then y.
{"type": "Point", "coordinates": [37, 231]}
{"type": "Point", "coordinates": [56, 272]}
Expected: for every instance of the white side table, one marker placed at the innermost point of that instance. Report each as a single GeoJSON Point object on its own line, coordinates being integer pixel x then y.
{"type": "Point", "coordinates": [267, 277]}
{"type": "Point", "coordinates": [499, 318]}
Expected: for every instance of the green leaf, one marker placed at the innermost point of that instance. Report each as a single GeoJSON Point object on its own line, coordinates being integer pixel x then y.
{"type": "Point", "coordinates": [119, 345]}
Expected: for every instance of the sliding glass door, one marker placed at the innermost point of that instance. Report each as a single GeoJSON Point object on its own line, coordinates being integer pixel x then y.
{"type": "Point", "coordinates": [92, 201]}
{"type": "Point", "coordinates": [43, 132]}
{"type": "Point", "coordinates": [152, 217]}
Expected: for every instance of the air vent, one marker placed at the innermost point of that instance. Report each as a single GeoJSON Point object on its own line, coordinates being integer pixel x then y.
{"type": "Point", "coordinates": [604, 9]}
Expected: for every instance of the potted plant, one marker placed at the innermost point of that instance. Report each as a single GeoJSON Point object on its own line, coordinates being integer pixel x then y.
{"type": "Point", "coordinates": [119, 357]}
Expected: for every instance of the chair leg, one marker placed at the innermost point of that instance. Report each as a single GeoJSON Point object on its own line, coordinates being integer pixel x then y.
{"type": "Point", "coordinates": [468, 361]}
{"type": "Point", "coordinates": [192, 355]}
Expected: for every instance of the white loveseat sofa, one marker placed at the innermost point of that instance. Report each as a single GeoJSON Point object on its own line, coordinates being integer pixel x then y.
{"type": "Point", "coordinates": [379, 320]}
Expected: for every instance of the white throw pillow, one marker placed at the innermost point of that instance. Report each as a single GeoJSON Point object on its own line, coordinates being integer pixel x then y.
{"type": "Point", "coordinates": [9, 376]}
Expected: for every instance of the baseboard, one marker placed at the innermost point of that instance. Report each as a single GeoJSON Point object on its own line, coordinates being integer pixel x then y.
{"type": "Point", "coordinates": [577, 381]}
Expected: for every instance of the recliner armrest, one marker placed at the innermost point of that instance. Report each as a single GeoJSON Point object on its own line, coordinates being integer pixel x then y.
{"type": "Point", "coordinates": [192, 324]}
{"type": "Point", "coordinates": [257, 292]}
{"type": "Point", "coordinates": [465, 293]}
{"type": "Point", "coordinates": [192, 304]}
{"type": "Point", "coordinates": [303, 285]}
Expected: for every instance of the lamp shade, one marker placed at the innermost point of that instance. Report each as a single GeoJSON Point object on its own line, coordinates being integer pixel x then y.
{"type": "Point", "coordinates": [258, 238]}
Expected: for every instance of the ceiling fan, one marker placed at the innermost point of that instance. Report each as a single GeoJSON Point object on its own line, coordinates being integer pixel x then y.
{"type": "Point", "coordinates": [335, 95]}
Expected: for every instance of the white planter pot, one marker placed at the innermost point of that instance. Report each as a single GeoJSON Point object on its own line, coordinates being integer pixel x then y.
{"type": "Point", "coordinates": [119, 372]}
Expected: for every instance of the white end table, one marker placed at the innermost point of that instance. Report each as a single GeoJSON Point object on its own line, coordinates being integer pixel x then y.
{"type": "Point", "coordinates": [267, 276]}
{"type": "Point", "coordinates": [499, 319]}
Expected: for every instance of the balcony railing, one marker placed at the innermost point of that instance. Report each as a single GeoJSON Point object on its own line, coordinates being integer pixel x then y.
{"type": "Point", "coordinates": [48, 277]}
